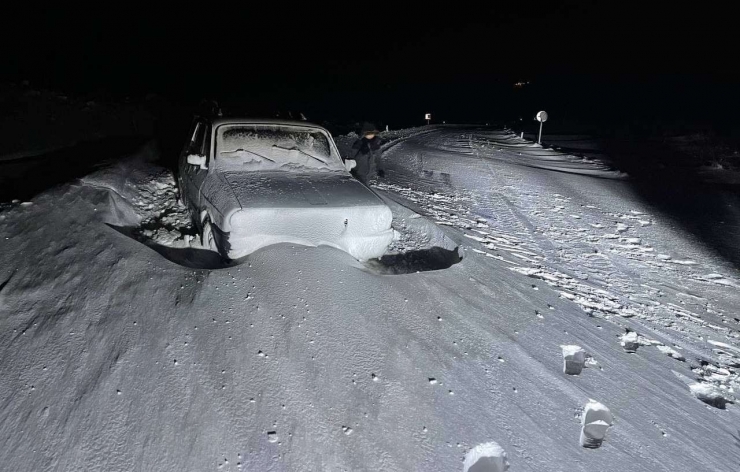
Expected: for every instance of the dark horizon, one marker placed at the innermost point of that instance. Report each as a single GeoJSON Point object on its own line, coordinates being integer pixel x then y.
{"type": "Point", "coordinates": [595, 64]}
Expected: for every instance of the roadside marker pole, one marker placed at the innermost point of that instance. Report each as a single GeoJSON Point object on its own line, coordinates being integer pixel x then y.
{"type": "Point", "coordinates": [539, 138]}
{"type": "Point", "coordinates": [541, 117]}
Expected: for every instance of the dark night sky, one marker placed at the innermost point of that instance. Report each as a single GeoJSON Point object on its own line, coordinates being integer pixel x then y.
{"type": "Point", "coordinates": [585, 60]}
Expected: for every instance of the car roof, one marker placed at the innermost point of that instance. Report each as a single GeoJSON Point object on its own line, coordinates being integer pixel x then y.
{"type": "Point", "coordinates": [262, 121]}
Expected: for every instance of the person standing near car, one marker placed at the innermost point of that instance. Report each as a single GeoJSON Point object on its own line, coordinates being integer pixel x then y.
{"type": "Point", "coordinates": [367, 154]}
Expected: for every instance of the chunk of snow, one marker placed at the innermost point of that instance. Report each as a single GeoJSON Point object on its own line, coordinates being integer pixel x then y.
{"type": "Point", "coordinates": [574, 359]}
{"type": "Point", "coordinates": [486, 457]}
{"type": "Point", "coordinates": [709, 394]}
{"type": "Point", "coordinates": [684, 262]}
{"type": "Point", "coordinates": [567, 295]}
{"type": "Point", "coordinates": [630, 341]}
{"type": "Point", "coordinates": [724, 345]}
{"type": "Point", "coordinates": [595, 421]}
{"type": "Point", "coordinates": [475, 238]}
{"type": "Point", "coordinates": [671, 352]}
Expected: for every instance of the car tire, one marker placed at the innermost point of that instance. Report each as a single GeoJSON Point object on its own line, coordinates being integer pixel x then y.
{"type": "Point", "coordinates": [208, 237]}
{"type": "Point", "coordinates": [183, 196]}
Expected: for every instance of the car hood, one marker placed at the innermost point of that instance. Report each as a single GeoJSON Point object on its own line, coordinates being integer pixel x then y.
{"type": "Point", "coordinates": [291, 190]}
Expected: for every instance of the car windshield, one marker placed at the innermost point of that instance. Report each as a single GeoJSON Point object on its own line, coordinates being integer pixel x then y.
{"type": "Point", "coordinates": [275, 148]}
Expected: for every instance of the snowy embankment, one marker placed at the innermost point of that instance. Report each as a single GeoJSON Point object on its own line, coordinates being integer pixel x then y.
{"type": "Point", "coordinates": [114, 357]}
{"type": "Point", "coordinates": [708, 159]}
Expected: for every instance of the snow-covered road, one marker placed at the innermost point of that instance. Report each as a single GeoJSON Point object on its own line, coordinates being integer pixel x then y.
{"type": "Point", "coordinates": [115, 358]}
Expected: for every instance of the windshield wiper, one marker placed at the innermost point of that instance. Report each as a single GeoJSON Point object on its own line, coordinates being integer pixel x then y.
{"type": "Point", "coordinates": [294, 148]}
{"type": "Point", "coordinates": [250, 152]}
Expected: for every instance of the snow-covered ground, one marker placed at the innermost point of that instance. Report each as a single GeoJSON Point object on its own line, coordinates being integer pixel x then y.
{"type": "Point", "coordinates": [114, 357]}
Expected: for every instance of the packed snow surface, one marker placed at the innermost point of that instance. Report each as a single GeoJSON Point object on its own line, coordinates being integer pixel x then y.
{"type": "Point", "coordinates": [114, 357]}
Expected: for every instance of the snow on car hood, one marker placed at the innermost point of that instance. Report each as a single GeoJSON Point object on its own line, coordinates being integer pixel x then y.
{"type": "Point", "coordinates": [290, 190]}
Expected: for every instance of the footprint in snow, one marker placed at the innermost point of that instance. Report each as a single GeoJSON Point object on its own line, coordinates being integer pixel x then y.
{"type": "Point", "coordinates": [595, 421]}
{"type": "Point", "coordinates": [486, 457]}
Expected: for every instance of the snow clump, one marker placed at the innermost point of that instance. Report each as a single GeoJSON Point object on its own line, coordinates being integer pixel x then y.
{"type": "Point", "coordinates": [486, 457]}
{"type": "Point", "coordinates": [709, 394]}
{"type": "Point", "coordinates": [574, 359]}
{"type": "Point", "coordinates": [596, 420]}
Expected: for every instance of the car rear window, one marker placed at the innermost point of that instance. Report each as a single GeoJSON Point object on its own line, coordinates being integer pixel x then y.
{"type": "Point", "coordinates": [266, 147]}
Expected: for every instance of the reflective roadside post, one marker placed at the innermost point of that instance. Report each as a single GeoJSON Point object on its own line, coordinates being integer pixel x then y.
{"type": "Point", "coordinates": [541, 117]}
{"type": "Point", "coordinates": [428, 117]}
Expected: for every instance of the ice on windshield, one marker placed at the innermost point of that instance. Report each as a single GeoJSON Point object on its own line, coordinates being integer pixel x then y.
{"type": "Point", "coordinates": [283, 148]}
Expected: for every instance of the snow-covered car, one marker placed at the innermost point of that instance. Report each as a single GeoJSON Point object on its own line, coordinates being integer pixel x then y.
{"type": "Point", "coordinates": [254, 183]}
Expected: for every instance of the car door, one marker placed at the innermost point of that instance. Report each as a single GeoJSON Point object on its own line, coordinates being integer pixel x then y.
{"type": "Point", "coordinates": [193, 176]}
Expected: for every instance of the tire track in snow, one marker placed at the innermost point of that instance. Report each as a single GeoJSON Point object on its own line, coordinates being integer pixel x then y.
{"type": "Point", "coordinates": [596, 257]}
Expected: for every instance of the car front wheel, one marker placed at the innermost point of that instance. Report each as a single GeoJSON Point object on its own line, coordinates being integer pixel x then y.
{"type": "Point", "coordinates": [208, 239]}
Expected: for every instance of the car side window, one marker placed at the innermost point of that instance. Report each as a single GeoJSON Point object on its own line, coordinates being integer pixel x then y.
{"type": "Point", "coordinates": [197, 139]}
{"type": "Point", "coordinates": [206, 145]}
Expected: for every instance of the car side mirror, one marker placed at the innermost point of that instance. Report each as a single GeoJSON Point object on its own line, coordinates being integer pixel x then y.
{"type": "Point", "coordinates": [197, 160]}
